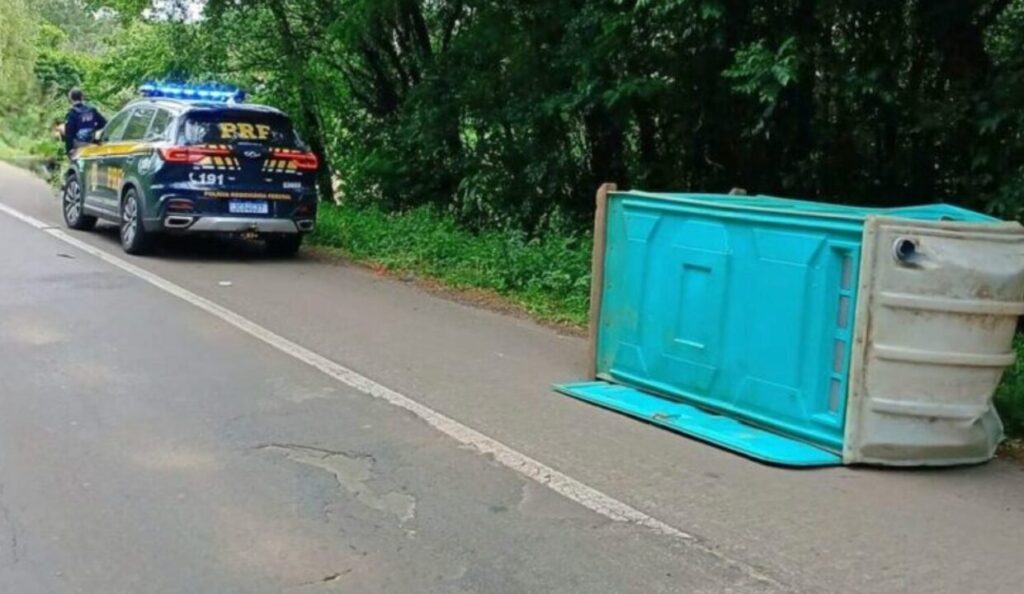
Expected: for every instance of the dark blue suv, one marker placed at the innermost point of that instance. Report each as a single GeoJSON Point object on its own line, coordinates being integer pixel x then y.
{"type": "Point", "coordinates": [195, 162]}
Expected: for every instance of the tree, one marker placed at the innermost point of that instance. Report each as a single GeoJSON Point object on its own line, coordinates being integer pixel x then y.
{"type": "Point", "coordinates": [17, 53]}
{"type": "Point", "coordinates": [511, 113]}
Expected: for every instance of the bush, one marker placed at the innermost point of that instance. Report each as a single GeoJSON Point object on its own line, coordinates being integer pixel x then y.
{"type": "Point", "coordinates": [548, 274]}
{"type": "Point", "coordinates": [1010, 396]}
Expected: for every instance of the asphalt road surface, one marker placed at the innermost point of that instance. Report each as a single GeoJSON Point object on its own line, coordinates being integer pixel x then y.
{"type": "Point", "coordinates": [208, 420]}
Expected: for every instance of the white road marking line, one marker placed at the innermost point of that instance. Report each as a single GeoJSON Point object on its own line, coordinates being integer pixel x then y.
{"type": "Point", "coordinates": [23, 217]}
{"type": "Point", "coordinates": [528, 467]}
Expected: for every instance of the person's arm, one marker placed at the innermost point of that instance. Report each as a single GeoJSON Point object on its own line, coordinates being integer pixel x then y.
{"type": "Point", "coordinates": [101, 122]}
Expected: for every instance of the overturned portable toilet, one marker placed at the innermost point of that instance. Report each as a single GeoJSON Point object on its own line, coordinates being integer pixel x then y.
{"type": "Point", "coordinates": [803, 333]}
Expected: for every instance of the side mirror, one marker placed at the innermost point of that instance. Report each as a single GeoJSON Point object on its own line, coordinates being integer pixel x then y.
{"type": "Point", "coordinates": [97, 137]}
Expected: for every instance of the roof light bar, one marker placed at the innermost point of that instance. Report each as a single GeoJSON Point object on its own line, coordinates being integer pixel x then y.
{"type": "Point", "coordinates": [202, 92]}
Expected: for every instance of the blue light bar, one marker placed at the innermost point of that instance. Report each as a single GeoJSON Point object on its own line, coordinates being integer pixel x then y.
{"type": "Point", "coordinates": [202, 92]}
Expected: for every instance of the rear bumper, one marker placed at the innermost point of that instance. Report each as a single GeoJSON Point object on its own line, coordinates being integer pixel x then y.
{"type": "Point", "coordinates": [230, 225]}
{"type": "Point", "coordinates": [188, 211]}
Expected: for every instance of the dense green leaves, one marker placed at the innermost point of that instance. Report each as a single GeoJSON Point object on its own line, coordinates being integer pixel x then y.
{"type": "Point", "coordinates": [17, 52]}
{"type": "Point", "coordinates": [1010, 395]}
{"type": "Point", "coordinates": [762, 73]}
{"type": "Point", "coordinates": [511, 113]}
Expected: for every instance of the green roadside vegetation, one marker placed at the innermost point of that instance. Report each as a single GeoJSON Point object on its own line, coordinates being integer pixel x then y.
{"type": "Point", "coordinates": [465, 139]}
{"type": "Point", "coordinates": [547, 275]}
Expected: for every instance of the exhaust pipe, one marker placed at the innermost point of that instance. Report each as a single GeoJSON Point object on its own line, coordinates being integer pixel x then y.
{"type": "Point", "coordinates": [304, 225]}
{"type": "Point", "coordinates": [178, 222]}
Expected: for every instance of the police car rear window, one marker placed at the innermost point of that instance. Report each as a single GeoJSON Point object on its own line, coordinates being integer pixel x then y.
{"type": "Point", "coordinates": [234, 127]}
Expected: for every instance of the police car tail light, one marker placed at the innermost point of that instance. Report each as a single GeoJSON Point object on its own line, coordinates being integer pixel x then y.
{"type": "Point", "coordinates": [302, 161]}
{"type": "Point", "coordinates": [190, 154]}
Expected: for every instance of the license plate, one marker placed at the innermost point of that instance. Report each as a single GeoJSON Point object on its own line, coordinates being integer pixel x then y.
{"type": "Point", "coordinates": [248, 207]}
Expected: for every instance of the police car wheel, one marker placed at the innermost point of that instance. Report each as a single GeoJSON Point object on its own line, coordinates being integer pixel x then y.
{"type": "Point", "coordinates": [72, 205]}
{"type": "Point", "coordinates": [284, 246]}
{"type": "Point", "coordinates": [134, 238]}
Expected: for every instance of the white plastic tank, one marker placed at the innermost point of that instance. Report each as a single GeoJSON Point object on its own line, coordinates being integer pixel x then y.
{"type": "Point", "coordinates": [938, 308]}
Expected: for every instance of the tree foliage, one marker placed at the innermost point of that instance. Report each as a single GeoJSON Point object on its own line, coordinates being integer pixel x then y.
{"type": "Point", "coordinates": [17, 52]}
{"type": "Point", "coordinates": [511, 113]}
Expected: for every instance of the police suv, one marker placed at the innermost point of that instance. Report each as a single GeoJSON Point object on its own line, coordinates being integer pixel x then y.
{"type": "Point", "coordinates": [195, 160]}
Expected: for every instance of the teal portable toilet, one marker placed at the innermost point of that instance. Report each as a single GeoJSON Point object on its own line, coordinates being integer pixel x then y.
{"type": "Point", "coordinates": [802, 333]}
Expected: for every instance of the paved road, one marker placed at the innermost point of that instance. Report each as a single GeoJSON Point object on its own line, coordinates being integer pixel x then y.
{"type": "Point", "coordinates": [149, 446]}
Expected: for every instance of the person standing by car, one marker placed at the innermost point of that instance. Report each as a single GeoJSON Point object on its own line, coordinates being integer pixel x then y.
{"type": "Point", "coordinates": [81, 123]}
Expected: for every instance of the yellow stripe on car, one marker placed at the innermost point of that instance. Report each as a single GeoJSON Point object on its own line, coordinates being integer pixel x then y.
{"type": "Point", "coordinates": [114, 149]}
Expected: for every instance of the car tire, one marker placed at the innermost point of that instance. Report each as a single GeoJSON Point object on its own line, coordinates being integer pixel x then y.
{"type": "Point", "coordinates": [73, 205]}
{"type": "Point", "coordinates": [135, 239]}
{"type": "Point", "coordinates": [284, 246]}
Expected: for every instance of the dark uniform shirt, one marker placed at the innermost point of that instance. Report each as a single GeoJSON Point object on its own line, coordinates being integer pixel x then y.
{"type": "Point", "coordinates": [81, 124]}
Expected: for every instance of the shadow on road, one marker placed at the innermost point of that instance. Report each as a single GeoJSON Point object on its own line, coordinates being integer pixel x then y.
{"type": "Point", "coordinates": [202, 248]}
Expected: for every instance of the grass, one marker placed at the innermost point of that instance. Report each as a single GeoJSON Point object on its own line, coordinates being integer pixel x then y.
{"type": "Point", "coordinates": [35, 155]}
{"type": "Point", "coordinates": [9, 153]}
{"type": "Point", "coordinates": [548, 276]}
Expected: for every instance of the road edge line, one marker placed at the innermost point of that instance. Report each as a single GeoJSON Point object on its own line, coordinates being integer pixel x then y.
{"type": "Point", "coordinates": [524, 465]}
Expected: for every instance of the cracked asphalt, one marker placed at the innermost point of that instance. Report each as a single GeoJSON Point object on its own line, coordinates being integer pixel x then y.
{"type": "Point", "coordinates": [149, 447]}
